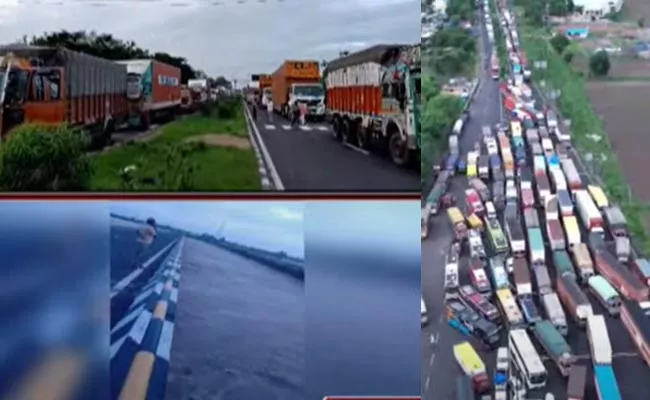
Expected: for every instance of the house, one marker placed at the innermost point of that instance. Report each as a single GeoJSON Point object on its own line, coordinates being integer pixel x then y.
{"type": "Point", "coordinates": [576, 32]}
{"type": "Point", "coordinates": [596, 9]}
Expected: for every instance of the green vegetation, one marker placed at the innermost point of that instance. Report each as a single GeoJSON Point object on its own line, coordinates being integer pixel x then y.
{"type": "Point", "coordinates": [450, 52]}
{"type": "Point", "coordinates": [210, 152]}
{"type": "Point", "coordinates": [599, 64]}
{"type": "Point", "coordinates": [585, 124]}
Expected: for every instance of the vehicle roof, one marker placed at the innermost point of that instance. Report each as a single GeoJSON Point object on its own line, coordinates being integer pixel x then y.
{"type": "Point", "coordinates": [378, 54]}
{"type": "Point", "coordinates": [641, 320]}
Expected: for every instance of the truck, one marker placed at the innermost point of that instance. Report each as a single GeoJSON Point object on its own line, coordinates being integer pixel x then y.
{"type": "Point", "coordinates": [473, 367]}
{"type": "Point", "coordinates": [498, 273]}
{"type": "Point", "coordinates": [641, 268]}
{"type": "Point", "coordinates": [478, 276]}
{"type": "Point", "coordinates": [516, 237]}
{"type": "Point", "coordinates": [473, 202]}
{"type": "Point", "coordinates": [81, 90]}
{"type": "Point", "coordinates": [551, 208]}
{"type": "Point", "coordinates": [565, 203]}
{"type": "Point", "coordinates": [470, 323]}
{"type": "Point", "coordinates": [457, 222]}
{"type": "Point", "coordinates": [539, 165]}
{"type": "Point", "coordinates": [555, 234]}
{"type": "Point", "coordinates": [574, 299]}
{"type": "Point", "coordinates": [501, 374]}
{"type": "Point", "coordinates": [531, 219]}
{"type": "Point", "coordinates": [635, 321]}
{"type": "Point", "coordinates": [484, 167]}
{"type": "Point", "coordinates": [558, 179]}
{"type": "Point", "coordinates": [542, 280]}
{"type": "Point", "coordinates": [360, 110]}
{"type": "Point", "coordinates": [266, 89]}
{"type": "Point", "coordinates": [475, 243]}
{"type": "Point", "coordinates": [622, 248]}
{"type": "Point", "coordinates": [481, 188]}
{"type": "Point", "coordinates": [554, 345]}
{"type": "Point", "coordinates": [508, 163]}
{"type": "Point", "coordinates": [527, 195]}
{"type": "Point", "coordinates": [299, 81]}
{"type": "Point", "coordinates": [521, 275]}
{"type": "Point", "coordinates": [616, 222]}
{"type": "Point", "coordinates": [153, 91]}
{"type": "Point", "coordinates": [496, 236]}
{"type": "Point", "coordinates": [575, 389]}
{"type": "Point", "coordinates": [201, 91]}
{"type": "Point", "coordinates": [572, 230]}
{"type": "Point", "coordinates": [543, 186]}
{"type": "Point", "coordinates": [572, 174]}
{"type": "Point", "coordinates": [599, 344]}
{"type": "Point", "coordinates": [618, 276]}
{"type": "Point", "coordinates": [529, 309]}
{"type": "Point", "coordinates": [536, 247]}
{"type": "Point", "coordinates": [605, 382]}
{"type": "Point", "coordinates": [589, 214]}
{"type": "Point", "coordinates": [562, 263]}
{"type": "Point", "coordinates": [554, 312]}
{"type": "Point", "coordinates": [479, 303]}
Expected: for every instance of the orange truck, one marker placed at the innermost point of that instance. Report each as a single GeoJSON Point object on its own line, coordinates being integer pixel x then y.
{"type": "Point", "coordinates": [298, 81]}
{"type": "Point", "coordinates": [153, 91]}
{"type": "Point", "coordinates": [56, 85]}
{"type": "Point", "coordinates": [373, 100]}
{"type": "Point", "coordinates": [266, 88]}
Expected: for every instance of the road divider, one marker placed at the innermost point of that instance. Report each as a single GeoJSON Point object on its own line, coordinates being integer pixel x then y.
{"type": "Point", "coordinates": [141, 341]}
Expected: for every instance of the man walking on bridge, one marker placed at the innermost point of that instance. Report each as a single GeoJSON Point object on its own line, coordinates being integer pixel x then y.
{"type": "Point", "coordinates": [145, 237]}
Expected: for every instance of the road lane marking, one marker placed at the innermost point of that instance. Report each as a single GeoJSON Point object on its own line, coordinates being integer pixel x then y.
{"type": "Point", "coordinates": [323, 128]}
{"type": "Point", "coordinates": [426, 384]}
{"type": "Point", "coordinates": [304, 127]}
{"type": "Point", "coordinates": [433, 358]}
{"type": "Point", "coordinates": [269, 127]}
{"type": "Point", "coordinates": [286, 127]}
{"type": "Point", "coordinates": [256, 138]}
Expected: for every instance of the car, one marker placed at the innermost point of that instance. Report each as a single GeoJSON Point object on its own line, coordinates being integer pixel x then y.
{"type": "Point", "coordinates": [511, 190]}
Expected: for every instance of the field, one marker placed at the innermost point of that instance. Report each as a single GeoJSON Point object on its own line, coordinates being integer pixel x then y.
{"type": "Point", "coordinates": [622, 105]}
{"type": "Point", "coordinates": [638, 9]}
{"type": "Point", "coordinates": [622, 68]}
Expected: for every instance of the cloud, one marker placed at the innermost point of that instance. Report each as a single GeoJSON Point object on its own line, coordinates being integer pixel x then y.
{"type": "Point", "coordinates": [266, 224]}
{"type": "Point", "coordinates": [231, 39]}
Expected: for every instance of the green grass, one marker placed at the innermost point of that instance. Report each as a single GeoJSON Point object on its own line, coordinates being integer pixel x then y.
{"type": "Point", "coordinates": [574, 104]}
{"type": "Point", "coordinates": [167, 159]}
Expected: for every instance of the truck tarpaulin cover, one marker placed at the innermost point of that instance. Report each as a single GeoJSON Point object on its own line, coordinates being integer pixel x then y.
{"type": "Point", "coordinates": [377, 54]}
{"type": "Point", "coordinates": [301, 70]}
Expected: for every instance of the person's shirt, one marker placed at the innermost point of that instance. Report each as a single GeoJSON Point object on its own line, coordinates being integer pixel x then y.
{"type": "Point", "coordinates": [146, 234]}
{"type": "Point", "coordinates": [269, 105]}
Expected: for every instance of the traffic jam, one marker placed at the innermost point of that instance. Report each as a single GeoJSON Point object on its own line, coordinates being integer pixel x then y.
{"type": "Point", "coordinates": [540, 256]}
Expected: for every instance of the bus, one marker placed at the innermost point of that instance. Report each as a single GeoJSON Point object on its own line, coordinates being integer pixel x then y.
{"type": "Point", "coordinates": [605, 293]}
{"type": "Point", "coordinates": [497, 238]}
{"type": "Point", "coordinates": [526, 359]}
{"type": "Point", "coordinates": [475, 300]}
{"type": "Point", "coordinates": [508, 305]}
{"type": "Point", "coordinates": [423, 312]}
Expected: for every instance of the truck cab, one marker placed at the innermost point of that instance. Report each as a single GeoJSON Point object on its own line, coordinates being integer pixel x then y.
{"type": "Point", "coordinates": [311, 94]}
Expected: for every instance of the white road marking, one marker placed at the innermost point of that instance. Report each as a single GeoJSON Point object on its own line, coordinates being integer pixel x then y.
{"type": "Point", "coordinates": [304, 127]}
{"type": "Point", "coordinates": [428, 381]}
{"type": "Point", "coordinates": [323, 128]}
{"type": "Point", "coordinates": [269, 127]}
{"type": "Point", "coordinates": [286, 127]}
{"type": "Point", "coordinates": [433, 338]}
{"type": "Point", "coordinates": [433, 358]}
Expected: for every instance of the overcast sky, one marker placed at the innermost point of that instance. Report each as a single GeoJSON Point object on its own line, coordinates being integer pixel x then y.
{"type": "Point", "coordinates": [265, 224]}
{"type": "Point", "coordinates": [235, 38]}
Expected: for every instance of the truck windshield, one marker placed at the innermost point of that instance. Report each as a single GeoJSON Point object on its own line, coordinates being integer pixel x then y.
{"type": "Point", "coordinates": [16, 86]}
{"type": "Point", "coordinates": [314, 90]}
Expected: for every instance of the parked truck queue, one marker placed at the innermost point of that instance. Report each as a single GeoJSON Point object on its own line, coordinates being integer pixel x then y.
{"type": "Point", "coordinates": [56, 85]}
{"type": "Point", "coordinates": [574, 289]}
{"type": "Point", "coordinates": [370, 97]}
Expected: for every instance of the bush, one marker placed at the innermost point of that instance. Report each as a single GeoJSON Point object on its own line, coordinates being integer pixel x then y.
{"type": "Point", "coordinates": [38, 157]}
{"type": "Point", "coordinates": [599, 63]}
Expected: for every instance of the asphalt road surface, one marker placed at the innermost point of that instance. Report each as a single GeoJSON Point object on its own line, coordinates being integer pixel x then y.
{"type": "Point", "coordinates": [239, 331]}
{"type": "Point", "coordinates": [308, 158]}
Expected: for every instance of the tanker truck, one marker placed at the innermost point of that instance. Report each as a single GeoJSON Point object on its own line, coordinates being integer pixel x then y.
{"type": "Point", "coordinates": [373, 100]}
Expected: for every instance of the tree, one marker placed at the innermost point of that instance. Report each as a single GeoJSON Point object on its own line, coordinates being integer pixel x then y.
{"type": "Point", "coordinates": [106, 46]}
{"type": "Point", "coordinates": [567, 57]}
{"type": "Point", "coordinates": [571, 7]}
{"type": "Point", "coordinates": [558, 8]}
{"type": "Point", "coordinates": [560, 43]}
{"type": "Point", "coordinates": [599, 63]}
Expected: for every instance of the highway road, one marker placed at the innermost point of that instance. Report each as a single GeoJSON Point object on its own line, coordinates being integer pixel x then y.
{"type": "Point", "coordinates": [308, 158]}
{"type": "Point", "coordinates": [239, 331]}
{"type": "Point", "coordinates": [438, 375]}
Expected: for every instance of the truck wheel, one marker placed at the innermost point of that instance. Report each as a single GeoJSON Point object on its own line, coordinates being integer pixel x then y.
{"type": "Point", "coordinates": [398, 150]}
{"type": "Point", "coordinates": [346, 132]}
{"type": "Point", "coordinates": [336, 129]}
{"type": "Point", "coordinates": [145, 121]}
{"type": "Point", "coordinates": [363, 137]}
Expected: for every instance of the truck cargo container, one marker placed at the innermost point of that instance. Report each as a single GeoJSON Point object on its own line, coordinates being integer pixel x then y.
{"type": "Point", "coordinates": [527, 195]}
{"type": "Point", "coordinates": [605, 294]}
{"type": "Point", "coordinates": [600, 347]}
{"type": "Point", "coordinates": [558, 179]}
{"type": "Point", "coordinates": [81, 90]}
{"type": "Point", "coordinates": [532, 136]}
{"type": "Point", "coordinates": [511, 211]}
{"type": "Point", "coordinates": [153, 90]}
{"type": "Point", "coordinates": [620, 277]}
{"type": "Point", "coordinates": [475, 244]}
{"type": "Point", "coordinates": [495, 165]}
{"type": "Point", "coordinates": [543, 188]}
{"type": "Point", "coordinates": [551, 208]}
{"type": "Point", "coordinates": [472, 366]}
{"type": "Point", "coordinates": [516, 237]}
{"type": "Point", "coordinates": [521, 275]}
{"type": "Point", "coordinates": [565, 203]}
{"type": "Point", "coordinates": [525, 175]}
{"type": "Point", "coordinates": [616, 221]}
{"type": "Point", "coordinates": [536, 247]}
{"type": "Point", "coordinates": [605, 382]}
{"type": "Point", "coordinates": [478, 277]}
{"type": "Point", "coordinates": [555, 234]}
{"type": "Point", "coordinates": [641, 268]}
{"type": "Point", "coordinates": [554, 312]}
{"type": "Point", "coordinates": [498, 273]}
{"type": "Point", "coordinates": [496, 236]}
{"type": "Point", "coordinates": [473, 202]}
{"type": "Point", "coordinates": [574, 300]}
{"type": "Point", "coordinates": [554, 345]}
{"type": "Point", "coordinates": [299, 81]}
{"type": "Point", "coordinates": [484, 167]}
{"type": "Point", "coordinates": [563, 264]}
{"type": "Point", "coordinates": [599, 196]}
{"type": "Point", "coordinates": [590, 215]}
{"type": "Point", "coordinates": [362, 111]}
{"type": "Point", "coordinates": [572, 231]}
{"type": "Point", "coordinates": [508, 163]}
{"type": "Point", "coordinates": [539, 165]}
{"type": "Point", "coordinates": [529, 310]}
{"type": "Point", "coordinates": [577, 382]}
{"type": "Point", "coordinates": [479, 303]}
{"type": "Point", "coordinates": [536, 149]}
{"type": "Point", "coordinates": [458, 223]}
{"type": "Point", "coordinates": [543, 133]}
{"type": "Point", "coordinates": [635, 320]}
{"type": "Point", "coordinates": [542, 279]}
{"type": "Point", "coordinates": [481, 188]}
{"type": "Point", "coordinates": [531, 218]}
{"type": "Point", "coordinates": [622, 248]}
{"type": "Point", "coordinates": [572, 175]}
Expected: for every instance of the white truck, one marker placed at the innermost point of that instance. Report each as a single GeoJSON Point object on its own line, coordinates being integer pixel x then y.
{"type": "Point", "coordinates": [599, 344]}
{"type": "Point", "coordinates": [555, 313]}
{"type": "Point", "coordinates": [516, 237]}
{"type": "Point", "coordinates": [590, 215]}
{"type": "Point", "coordinates": [451, 275]}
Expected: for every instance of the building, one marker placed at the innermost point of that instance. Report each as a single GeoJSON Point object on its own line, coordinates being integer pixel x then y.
{"type": "Point", "coordinates": [596, 9]}
{"type": "Point", "coordinates": [576, 32]}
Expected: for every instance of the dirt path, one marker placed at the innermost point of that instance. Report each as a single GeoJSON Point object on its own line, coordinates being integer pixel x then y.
{"type": "Point", "coordinates": [213, 139]}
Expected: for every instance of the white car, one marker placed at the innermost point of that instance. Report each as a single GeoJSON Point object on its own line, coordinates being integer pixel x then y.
{"type": "Point", "coordinates": [491, 145]}
{"type": "Point", "coordinates": [511, 190]}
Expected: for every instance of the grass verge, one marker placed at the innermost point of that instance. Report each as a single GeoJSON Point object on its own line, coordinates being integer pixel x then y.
{"type": "Point", "coordinates": [197, 153]}
{"type": "Point", "coordinates": [574, 105]}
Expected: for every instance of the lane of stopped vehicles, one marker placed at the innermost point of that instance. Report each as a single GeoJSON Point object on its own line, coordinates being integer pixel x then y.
{"type": "Point", "coordinates": [592, 206]}
{"type": "Point", "coordinates": [371, 97]}
{"type": "Point", "coordinates": [56, 85]}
